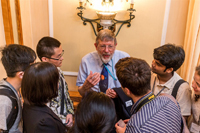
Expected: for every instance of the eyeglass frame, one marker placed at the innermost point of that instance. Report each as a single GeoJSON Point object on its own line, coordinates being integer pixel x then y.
{"type": "Point", "coordinates": [103, 47]}
{"type": "Point", "coordinates": [59, 57]}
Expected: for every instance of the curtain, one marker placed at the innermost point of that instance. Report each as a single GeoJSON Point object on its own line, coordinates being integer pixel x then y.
{"type": "Point", "coordinates": [192, 41]}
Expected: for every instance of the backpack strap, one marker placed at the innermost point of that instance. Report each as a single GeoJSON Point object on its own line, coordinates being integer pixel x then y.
{"type": "Point", "coordinates": [14, 111]}
{"type": "Point", "coordinates": [176, 87]}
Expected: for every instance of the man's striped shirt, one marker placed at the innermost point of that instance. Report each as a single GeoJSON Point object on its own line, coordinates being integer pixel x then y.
{"type": "Point", "coordinates": [161, 115]}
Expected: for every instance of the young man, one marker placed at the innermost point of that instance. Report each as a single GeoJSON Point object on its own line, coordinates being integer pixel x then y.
{"type": "Point", "coordinates": [149, 113]}
{"type": "Point", "coordinates": [50, 50]}
{"type": "Point", "coordinates": [167, 59]}
{"type": "Point", "coordinates": [15, 59]}
{"type": "Point", "coordinates": [92, 65]}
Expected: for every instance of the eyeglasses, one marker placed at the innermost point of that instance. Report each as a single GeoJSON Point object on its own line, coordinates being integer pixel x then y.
{"type": "Point", "coordinates": [103, 47]}
{"type": "Point", "coordinates": [57, 58]}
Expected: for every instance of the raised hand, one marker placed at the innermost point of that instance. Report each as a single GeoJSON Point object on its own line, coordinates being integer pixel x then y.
{"type": "Point", "coordinates": [91, 80]}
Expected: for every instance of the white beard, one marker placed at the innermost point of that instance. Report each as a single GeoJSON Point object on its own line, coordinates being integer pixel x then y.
{"type": "Point", "coordinates": [105, 60]}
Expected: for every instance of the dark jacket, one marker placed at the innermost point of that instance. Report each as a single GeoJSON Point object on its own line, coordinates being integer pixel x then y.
{"type": "Point", "coordinates": [41, 119]}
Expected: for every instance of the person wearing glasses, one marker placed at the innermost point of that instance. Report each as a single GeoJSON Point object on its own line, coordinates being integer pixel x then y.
{"type": "Point", "coordinates": [50, 50]}
{"type": "Point", "coordinates": [92, 65]}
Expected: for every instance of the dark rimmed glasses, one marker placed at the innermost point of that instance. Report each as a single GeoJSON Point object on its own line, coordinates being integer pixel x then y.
{"type": "Point", "coordinates": [57, 58]}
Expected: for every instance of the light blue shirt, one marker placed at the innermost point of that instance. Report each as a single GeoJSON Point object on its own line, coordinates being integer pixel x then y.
{"type": "Point", "coordinates": [92, 62]}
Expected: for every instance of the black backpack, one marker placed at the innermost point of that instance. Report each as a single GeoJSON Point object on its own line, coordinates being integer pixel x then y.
{"type": "Point", "coordinates": [123, 104]}
{"type": "Point", "coordinates": [7, 91]}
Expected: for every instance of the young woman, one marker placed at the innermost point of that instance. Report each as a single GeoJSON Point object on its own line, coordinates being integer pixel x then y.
{"type": "Point", "coordinates": [39, 86]}
{"type": "Point", "coordinates": [94, 114]}
{"type": "Point", "coordinates": [196, 101]}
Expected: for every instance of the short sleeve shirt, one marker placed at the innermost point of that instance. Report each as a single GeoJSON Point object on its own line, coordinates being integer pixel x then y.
{"type": "Point", "coordinates": [183, 95]}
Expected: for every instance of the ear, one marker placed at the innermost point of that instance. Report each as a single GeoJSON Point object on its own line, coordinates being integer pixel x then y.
{"type": "Point", "coordinates": [95, 44]}
{"type": "Point", "coordinates": [169, 70]}
{"type": "Point", "coordinates": [20, 74]}
{"type": "Point", "coordinates": [116, 44]}
{"type": "Point", "coordinates": [128, 92]}
{"type": "Point", "coordinates": [44, 59]}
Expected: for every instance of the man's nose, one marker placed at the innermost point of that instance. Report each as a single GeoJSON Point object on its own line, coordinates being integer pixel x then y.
{"type": "Point", "coordinates": [62, 58]}
{"type": "Point", "coordinates": [153, 63]}
{"type": "Point", "coordinates": [106, 49]}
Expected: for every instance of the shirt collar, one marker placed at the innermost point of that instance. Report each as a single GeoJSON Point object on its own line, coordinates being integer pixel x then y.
{"type": "Point", "coordinates": [169, 84]}
{"type": "Point", "coordinates": [137, 103]}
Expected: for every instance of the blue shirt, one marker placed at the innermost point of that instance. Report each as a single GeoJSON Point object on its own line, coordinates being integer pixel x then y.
{"type": "Point", "coordinates": [160, 115]}
{"type": "Point", "coordinates": [92, 62]}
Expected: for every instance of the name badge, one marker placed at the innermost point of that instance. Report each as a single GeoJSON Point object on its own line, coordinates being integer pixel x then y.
{"type": "Point", "coordinates": [194, 128]}
{"type": "Point", "coordinates": [128, 103]}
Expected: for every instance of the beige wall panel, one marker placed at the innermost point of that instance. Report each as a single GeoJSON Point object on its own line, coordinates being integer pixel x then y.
{"type": "Point", "coordinates": [177, 22]}
{"type": "Point", "coordinates": [139, 40]}
{"type": "Point", "coordinates": [26, 22]}
{"type": "Point", "coordinates": [35, 21]}
{"type": "Point", "coordinates": [2, 43]}
{"type": "Point", "coordinates": [40, 19]}
{"type": "Point", "coordinates": [71, 81]}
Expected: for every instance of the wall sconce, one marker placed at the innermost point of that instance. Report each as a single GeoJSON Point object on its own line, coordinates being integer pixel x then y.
{"type": "Point", "coordinates": [106, 19]}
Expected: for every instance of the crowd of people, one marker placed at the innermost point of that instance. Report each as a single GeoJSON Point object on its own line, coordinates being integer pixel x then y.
{"type": "Point", "coordinates": [34, 96]}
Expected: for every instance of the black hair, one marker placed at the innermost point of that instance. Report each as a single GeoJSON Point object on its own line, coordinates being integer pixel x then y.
{"type": "Point", "coordinates": [45, 47]}
{"type": "Point", "coordinates": [16, 58]}
{"type": "Point", "coordinates": [94, 114]}
{"type": "Point", "coordinates": [170, 56]}
{"type": "Point", "coordinates": [40, 83]}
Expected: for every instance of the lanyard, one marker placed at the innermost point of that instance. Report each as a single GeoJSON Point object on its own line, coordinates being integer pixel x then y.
{"type": "Point", "coordinates": [154, 86]}
{"type": "Point", "coordinates": [112, 75]}
{"type": "Point", "coordinates": [144, 101]}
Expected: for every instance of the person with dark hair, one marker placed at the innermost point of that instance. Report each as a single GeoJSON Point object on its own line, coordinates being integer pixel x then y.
{"type": "Point", "coordinates": [167, 59]}
{"type": "Point", "coordinates": [149, 113]}
{"type": "Point", "coordinates": [195, 125]}
{"type": "Point", "coordinates": [96, 71]}
{"type": "Point", "coordinates": [40, 86]}
{"type": "Point", "coordinates": [15, 59]}
{"type": "Point", "coordinates": [50, 50]}
{"type": "Point", "coordinates": [94, 114]}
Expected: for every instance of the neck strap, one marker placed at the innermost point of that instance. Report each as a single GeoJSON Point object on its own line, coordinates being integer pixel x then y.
{"type": "Point", "coordinates": [144, 101]}
{"type": "Point", "coordinates": [154, 87]}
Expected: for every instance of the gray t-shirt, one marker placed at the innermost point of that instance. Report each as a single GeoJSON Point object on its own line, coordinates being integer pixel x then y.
{"type": "Point", "coordinates": [6, 106]}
